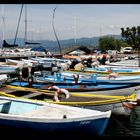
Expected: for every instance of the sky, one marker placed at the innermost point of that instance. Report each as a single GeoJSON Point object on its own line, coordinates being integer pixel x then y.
{"type": "Point", "coordinates": [70, 21]}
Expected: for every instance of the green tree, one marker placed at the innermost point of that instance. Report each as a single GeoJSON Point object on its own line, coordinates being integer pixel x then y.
{"type": "Point", "coordinates": [132, 36]}
{"type": "Point", "coordinates": [124, 44]}
{"type": "Point", "coordinates": [109, 43]}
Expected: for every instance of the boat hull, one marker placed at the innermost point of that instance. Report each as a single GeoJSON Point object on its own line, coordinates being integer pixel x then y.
{"type": "Point", "coordinates": [104, 88]}
{"type": "Point", "coordinates": [116, 108]}
{"type": "Point", "coordinates": [48, 117]}
{"type": "Point", "coordinates": [118, 91]}
{"type": "Point", "coordinates": [95, 127]}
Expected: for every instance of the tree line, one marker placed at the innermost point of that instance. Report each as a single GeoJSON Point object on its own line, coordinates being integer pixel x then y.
{"type": "Point", "coordinates": [130, 38]}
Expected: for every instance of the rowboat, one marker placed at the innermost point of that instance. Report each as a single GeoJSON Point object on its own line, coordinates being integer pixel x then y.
{"type": "Point", "coordinates": [114, 78]}
{"type": "Point", "coordinates": [119, 71]}
{"type": "Point", "coordinates": [125, 63]}
{"type": "Point", "coordinates": [92, 88]}
{"type": "Point", "coordinates": [119, 105]}
{"type": "Point", "coordinates": [48, 117]}
{"type": "Point", "coordinates": [106, 89]}
{"type": "Point", "coordinates": [6, 69]}
{"type": "Point", "coordinates": [67, 77]}
{"type": "Point", "coordinates": [110, 78]}
{"type": "Point", "coordinates": [106, 71]}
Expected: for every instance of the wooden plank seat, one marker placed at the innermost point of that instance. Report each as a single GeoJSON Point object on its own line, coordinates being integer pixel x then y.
{"type": "Point", "coordinates": [4, 102]}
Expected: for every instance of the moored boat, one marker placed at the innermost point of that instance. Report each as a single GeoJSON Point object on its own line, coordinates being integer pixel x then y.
{"type": "Point", "coordinates": [50, 117]}
{"type": "Point", "coordinates": [120, 105]}
{"type": "Point", "coordinates": [92, 88]}
{"type": "Point", "coordinates": [67, 77]}
{"type": "Point", "coordinates": [6, 69]}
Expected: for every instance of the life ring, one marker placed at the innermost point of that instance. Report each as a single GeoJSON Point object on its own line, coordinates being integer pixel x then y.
{"type": "Point", "coordinates": [58, 92]}
{"type": "Point", "coordinates": [63, 91]}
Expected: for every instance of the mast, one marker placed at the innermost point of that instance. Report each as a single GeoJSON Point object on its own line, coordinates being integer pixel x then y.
{"type": "Point", "coordinates": [25, 38]}
{"type": "Point", "coordinates": [55, 31]}
{"type": "Point", "coordinates": [75, 23]}
{"type": "Point", "coordinates": [3, 20]}
{"type": "Point", "coordinates": [100, 31]}
{"type": "Point", "coordinates": [18, 24]}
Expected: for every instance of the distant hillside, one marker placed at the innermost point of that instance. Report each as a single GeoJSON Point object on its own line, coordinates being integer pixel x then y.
{"type": "Point", "coordinates": [53, 45]}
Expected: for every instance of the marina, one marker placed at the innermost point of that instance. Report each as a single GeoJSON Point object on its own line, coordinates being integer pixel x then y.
{"type": "Point", "coordinates": [122, 107]}
{"type": "Point", "coordinates": [74, 85]}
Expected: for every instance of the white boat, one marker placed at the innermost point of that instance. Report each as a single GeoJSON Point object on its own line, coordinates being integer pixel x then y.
{"type": "Point", "coordinates": [64, 63]}
{"type": "Point", "coordinates": [50, 117]}
{"type": "Point", "coordinates": [16, 62]}
{"type": "Point", "coordinates": [119, 105]}
{"type": "Point", "coordinates": [125, 63]}
{"type": "Point", "coordinates": [102, 78]}
{"type": "Point", "coordinates": [118, 70]}
{"type": "Point", "coordinates": [6, 69]}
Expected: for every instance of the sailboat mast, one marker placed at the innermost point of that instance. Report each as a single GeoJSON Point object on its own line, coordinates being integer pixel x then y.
{"type": "Point", "coordinates": [18, 24]}
{"type": "Point", "coordinates": [25, 24]}
{"type": "Point", "coordinates": [100, 31]}
{"type": "Point", "coordinates": [55, 31]}
{"type": "Point", "coordinates": [75, 24]}
{"type": "Point", "coordinates": [3, 19]}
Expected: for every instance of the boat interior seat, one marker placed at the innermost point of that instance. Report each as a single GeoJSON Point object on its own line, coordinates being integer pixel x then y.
{"type": "Point", "coordinates": [4, 102]}
{"type": "Point", "coordinates": [5, 106]}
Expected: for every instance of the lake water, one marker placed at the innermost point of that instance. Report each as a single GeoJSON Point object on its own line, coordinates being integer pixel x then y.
{"type": "Point", "coordinates": [118, 126]}
{"type": "Point", "coordinates": [124, 125]}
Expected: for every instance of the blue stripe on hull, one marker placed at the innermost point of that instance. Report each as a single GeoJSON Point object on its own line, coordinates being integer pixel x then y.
{"type": "Point", "coordinates": [95, 127]}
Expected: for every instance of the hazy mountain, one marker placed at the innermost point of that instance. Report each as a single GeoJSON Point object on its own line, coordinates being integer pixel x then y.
{"type": "Point", "coordinates": [53, 45]}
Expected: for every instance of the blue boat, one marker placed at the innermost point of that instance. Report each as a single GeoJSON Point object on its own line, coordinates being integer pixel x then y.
{"type": "Point", "coordinates": [93, 88]}
{"type": "Point", "coordinates": [48, 117]}
{"type": "Point", "coordinates": [69, 77]}
{"type": "Point", "coordinates": [121, 71]}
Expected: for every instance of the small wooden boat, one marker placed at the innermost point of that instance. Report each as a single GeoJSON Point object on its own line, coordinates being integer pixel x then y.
{"type": "Point", "coordinates": [120, 105]}
{"type": "Point", "coordinates": [6, 69]}
{"type": "Point", "coordinates": [111, 78]}
{"type": "Point", "coordinates": [67, 77]}
{"type": "Point", "coordinates": [101, 88]}
{"type": "Point", "coordinates": [93, 88]}
{"type": "Point", "coordinates": [114, 78]}
{"type": "Point", "coordinates": [133, 63]}
{"type": "Point", "coordinates": [121, 71]}
{"type": "Point", "coordinates": [118, 71]}
{"type": "Point", "coordinates": [50, 117]}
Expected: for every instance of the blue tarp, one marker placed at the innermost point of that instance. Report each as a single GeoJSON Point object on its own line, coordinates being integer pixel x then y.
{"type": "Point", "coordinates": [39, 49]}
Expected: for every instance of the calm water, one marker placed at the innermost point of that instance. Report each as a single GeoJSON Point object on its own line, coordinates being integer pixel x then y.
{"type": "Point", "coordinates": [126, 126]}
{"type": "Point", "coordinates": [118, 126]}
